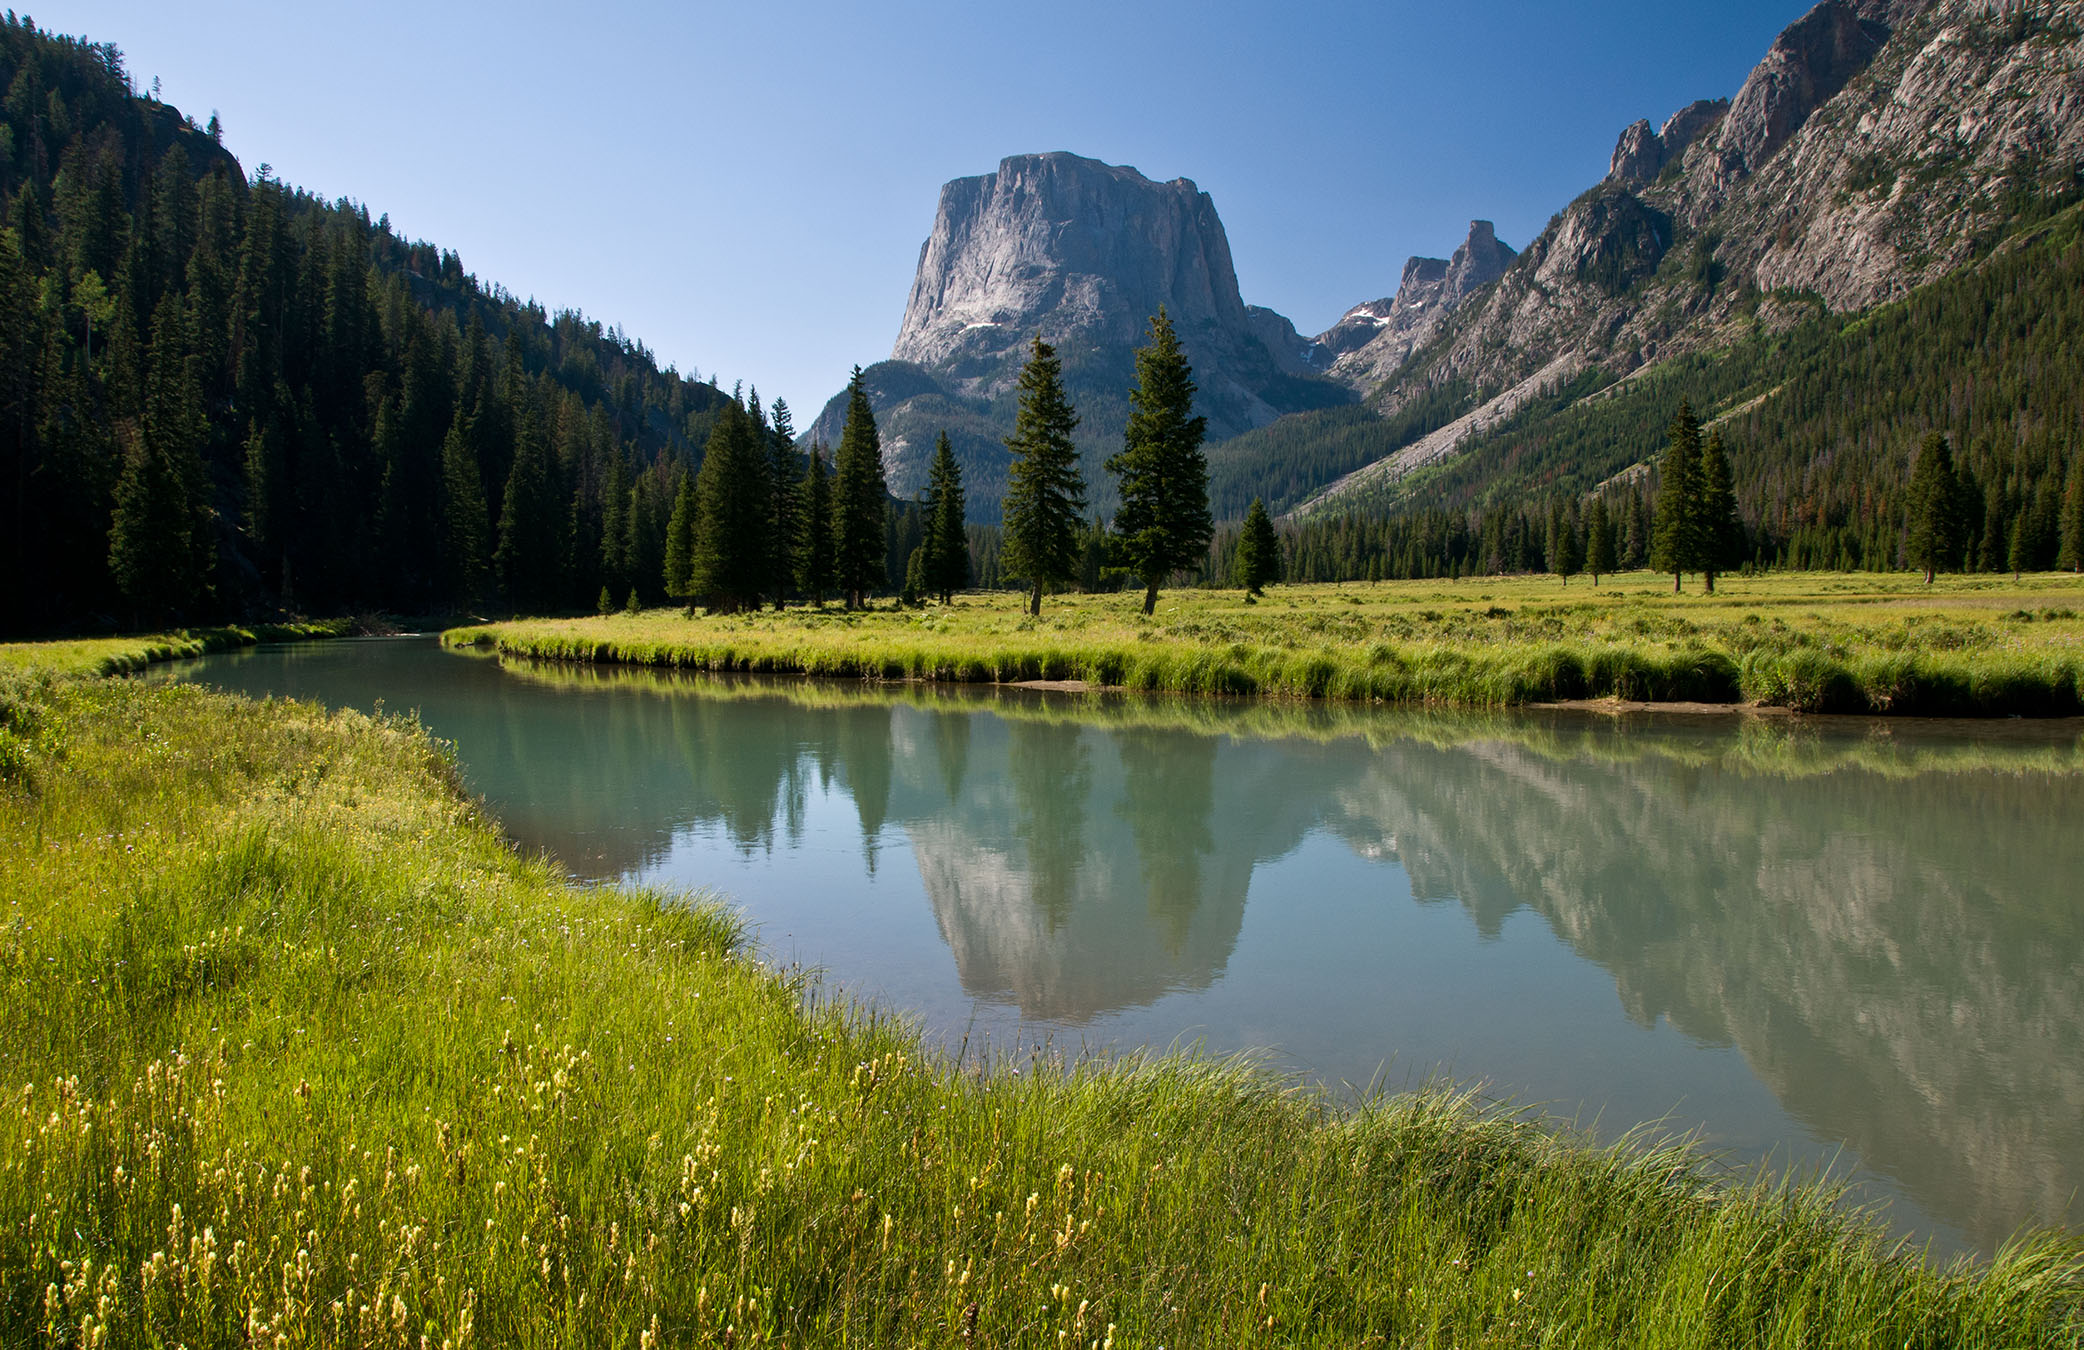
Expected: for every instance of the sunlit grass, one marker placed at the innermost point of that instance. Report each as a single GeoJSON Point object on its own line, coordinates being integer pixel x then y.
{"type": "Point", "coordinates": [1811, 642]}
{"type": "Point", "coordinates": [302, 1054]}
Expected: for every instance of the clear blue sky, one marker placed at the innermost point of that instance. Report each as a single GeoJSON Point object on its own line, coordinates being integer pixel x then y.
{"type": "Point", "coordinates": [744, 188]}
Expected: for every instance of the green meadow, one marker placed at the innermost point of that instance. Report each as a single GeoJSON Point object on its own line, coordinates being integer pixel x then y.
{"type": "Point", "coordinates": [1807, 642]}
{"type": "Point", "coordinates": [302, 1053]}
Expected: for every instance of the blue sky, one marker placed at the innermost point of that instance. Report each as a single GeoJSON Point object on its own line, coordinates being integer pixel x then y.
{"type": "Point", "coordinates": [744, 188]}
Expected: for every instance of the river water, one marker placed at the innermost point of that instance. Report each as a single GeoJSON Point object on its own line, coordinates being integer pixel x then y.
{"type": "Point", "coordinates": [1824, 942]}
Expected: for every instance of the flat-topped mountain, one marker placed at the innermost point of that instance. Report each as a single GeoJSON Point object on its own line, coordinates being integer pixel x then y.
{"type": "Point", "coordinates": [1082, 253]}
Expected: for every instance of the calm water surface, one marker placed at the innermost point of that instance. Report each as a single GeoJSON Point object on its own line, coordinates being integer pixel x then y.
{"type": "Point", "coordinates": [1824, 942]}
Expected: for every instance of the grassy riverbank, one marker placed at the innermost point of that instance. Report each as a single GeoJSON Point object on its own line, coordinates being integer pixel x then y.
{"type": "Point", "coordinates": [122, 655]}
{"type": "Point", "coordinates": [301, 1050]}
{"type": "Point", "coordinates": [1885, 644]}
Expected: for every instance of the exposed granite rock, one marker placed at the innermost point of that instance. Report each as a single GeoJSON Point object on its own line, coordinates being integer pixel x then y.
{"type": "Point", "coordinates": [1807, 64]}
{"type": "Point", "coordinates": [1082, 253]}
{"type": "Point", "coordinates": [1879, 145]}
{"type": "Point", "coordinates": [1642, 153]}
{"type": "Point", "coordinates": [1372, 341]}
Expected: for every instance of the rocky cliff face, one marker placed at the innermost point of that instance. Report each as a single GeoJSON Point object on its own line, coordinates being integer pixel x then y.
{"type": "Point", "coordinates": [1082, 253]}
{"type": "Point", "coordinates": [1373, 340]}
{"type": "Point", "coordinates": [1878, 145]}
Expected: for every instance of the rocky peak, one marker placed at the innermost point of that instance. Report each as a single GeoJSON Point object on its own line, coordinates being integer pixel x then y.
{"type": "Point", "coordinates": [1371, 340]}
{"type": "Point", "coordinates": [1082, 253]}
{"type": "Point", "coordinates": [1811, 60]}
{"type": "Point", "coordinates": [1642, 153]}
{"type": "Point", "coordinates": [1068, 247]}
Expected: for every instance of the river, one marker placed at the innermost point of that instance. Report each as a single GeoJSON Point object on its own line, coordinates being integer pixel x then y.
{"type": "Point", "coordinates": [1817, 942]}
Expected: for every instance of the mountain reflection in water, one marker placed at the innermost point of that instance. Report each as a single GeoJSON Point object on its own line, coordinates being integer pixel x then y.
{"type": "Point", "coordinates": [1880, 925]}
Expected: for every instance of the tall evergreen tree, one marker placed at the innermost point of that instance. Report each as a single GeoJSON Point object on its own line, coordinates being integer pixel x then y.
{"type": "Point", "coordinates": [159, 541]}
{"type": "Point", "coordinates": [1045, 495]}
{"type": "Point", "coordinates": [815, 573]}
{"type": "Point", "coordinates": [1935, 525]}
{"type": "Point", "coordinates": [730, 555]}
{"type": "Point", "coordinates": [1676, 543]}
{"type": "Point", "coordinates": [1164, 520]}
{"type": "Point", "coordinates": [2072, 554]}
{"type": "Point", "coordinates": [1258, 551]}
{"type": "Point", "coordinates": [528, 557]}
{"type": "Point", "coordinates": [1719, 530]}
{"type": "Point", "coordinates": [783, 482]}
{"type": "Point", "coordinates": [1600, 556]}
{"type": "Point", "coordinates": [1564, 556]}
{"type": "Point", "coordinates": [680, 544]}
{"type": "Point", "coordinates": [468, 543]}
{"type": "Point", "coordinates": [860, 505]}
{"type": "Point", "coordinates": [947, 559]}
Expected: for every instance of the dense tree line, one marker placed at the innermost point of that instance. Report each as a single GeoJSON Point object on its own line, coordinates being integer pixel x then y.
{"type": "Point", "coordinates": [222, 396]}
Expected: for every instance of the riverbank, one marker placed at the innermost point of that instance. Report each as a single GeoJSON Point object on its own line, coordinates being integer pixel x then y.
{"type": "Point", "coordinates": [1875, 644]}
{"type": "Point", "coordinates": [125, 655]}
{"type": "Point", "coordinates": [306, 1050]}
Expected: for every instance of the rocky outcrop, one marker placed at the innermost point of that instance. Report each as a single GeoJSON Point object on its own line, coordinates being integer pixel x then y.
{"type": "Point", "coordinates": [1082, 253]}
{"type": "Point", "coordinates": [1877, 146]}
{"type": "Point", "coordinates": [1642, 152]}
{"type": "Point", "coordinates": [1371, 341]}
{"type": "Point", "coordinates": [1807, 65]}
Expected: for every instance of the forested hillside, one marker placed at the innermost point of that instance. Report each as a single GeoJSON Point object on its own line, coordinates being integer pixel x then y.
{"type": "Point", "coordinates": [1822, 420]}
{"type": "Point", "coordinates": [222, 396]}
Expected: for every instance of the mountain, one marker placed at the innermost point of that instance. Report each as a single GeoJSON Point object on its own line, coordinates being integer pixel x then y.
{"type": "Point", "coordinates": [1372, 341]}
{"type": "Point", "coordinates": [1082, 253]}
{"type": "Point", "coordinates": [226, 397]}
{"type": "Point", "coordinates": [1879, 146]}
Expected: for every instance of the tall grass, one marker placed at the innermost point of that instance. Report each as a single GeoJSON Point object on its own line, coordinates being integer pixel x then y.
{"type": "Point", "coordinates": [302, 1054]}
{"type": "Point", "coordinates": [1882, 650]}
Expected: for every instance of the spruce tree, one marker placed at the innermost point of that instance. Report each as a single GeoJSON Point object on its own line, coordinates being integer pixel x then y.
{"type": "Point", "coordinates": [1045, 496]}
{"type": "Point", "coordinates": [860, 506]}
{"type": "Point", "coordinates": [528, 558]}
{"type": "Point", "coordinates": [947, 560]}
{"type": "Point", "coordinates": [467, 545]}
{"type": "Point", "coordinates": [815, 574]}
{"type": "Point", "coordinates": [1718, 529]}
{"type": "Point", "coordinates": [680, 544]}
{"type": "Point", "coordinates": [1164, 520]}
{"type": "Point", "coordinates": [730, 562]}
{"type": "Point", "coordinates": [783, 540]}
{"type": "Point", "coordinates": [1934, 525]}
{"type": "Point", "coordinates": [2072, 554]}
{"type": "Point", "coordinates": [159, 538]}
{"type": "Point", "coordinates": [1564, 557]}
{"type": "Point", "coordinates": [1600, 556]}
{"type": "Point", "coordinates": [1675, 544]}
{"type": "Point", "coordinates": [1258, 551]}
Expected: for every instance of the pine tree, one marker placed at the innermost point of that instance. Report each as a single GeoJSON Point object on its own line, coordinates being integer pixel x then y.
{"type": "Point", "coordinates": [1935, 527]}
{"type": "Point", "coordinates": [860, 505]}
{"type": "Point", "coordinates": [947, 545]}
{"type": "Point", "coordinates": [1164, 520]}
{"type": "Point", "coordinates": [1718, 529]}
{"type": "Point", "coordinates": [1258, 551]}
{"type": "Point", "coordinates": [528, 558]}
{"type": "Point", "coordinates": [1564, 557]}
{"type": "Point", "coordinates": [730, 561]}
{"type": "Point", "coordinates": [467, 546]}
{"type": "Point", "coordinates": [783, 510]}
{"type": "Point", "coordinates": [1676, 543]}
{"type": "Point", "coordinates": [159, 540]}
{"type": "Point", "coordinates": [1599, 542]}
{"type": "Point", "coordinates": [2072, 554]}
{"type": "Point", "coordinates": [680, 544]}
{"type": "Point", "coordinates": [1045, 496]}
{"type": "Point", "coordinates": [815, 574]}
